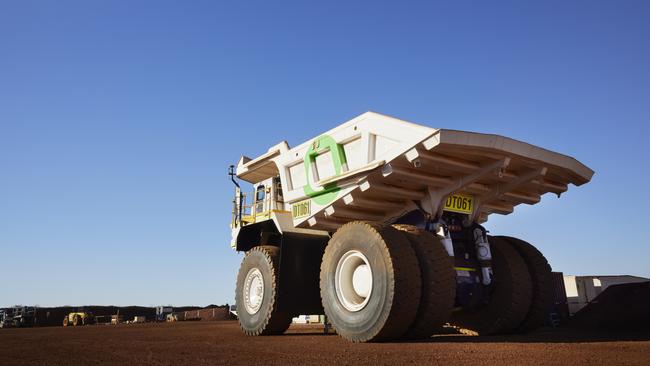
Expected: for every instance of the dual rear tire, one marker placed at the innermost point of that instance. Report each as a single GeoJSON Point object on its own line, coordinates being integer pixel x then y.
{"type": "Point", "coordinates": [509, 297]}
{"type": "Point", "coordinates": [541, 282]}
{"type": "Point", "coordinates": [370, 282]}
{"type": "Point", "coordinates": [438, 282]}
{"type": "Point", "coordinates": [410, 291]}
{"type": "Point", "coordinates": [521, 293]}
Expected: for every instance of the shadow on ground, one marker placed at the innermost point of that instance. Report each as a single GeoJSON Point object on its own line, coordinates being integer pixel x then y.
{"type": "Point", "coordinates": [544, 335]}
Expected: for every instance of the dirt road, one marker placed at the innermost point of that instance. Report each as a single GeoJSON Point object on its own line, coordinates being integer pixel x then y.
{"type": "Point", "coordinates": [206, 343]}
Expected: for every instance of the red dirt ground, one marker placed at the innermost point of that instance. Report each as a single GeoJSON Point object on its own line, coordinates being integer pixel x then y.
{"type": "Point", "coordinates": [221, 342]}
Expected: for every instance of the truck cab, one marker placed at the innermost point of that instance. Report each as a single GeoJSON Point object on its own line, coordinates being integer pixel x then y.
{"type": "Point", "coordinates": [260, 211]}
{"type": "Point", "coordinates": [258, 205]}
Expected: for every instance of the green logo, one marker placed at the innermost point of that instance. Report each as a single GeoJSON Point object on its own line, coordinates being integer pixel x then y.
{"type": "Point", "coordinates": [330, 190]}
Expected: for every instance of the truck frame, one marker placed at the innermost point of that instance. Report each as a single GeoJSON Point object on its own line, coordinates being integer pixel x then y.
{"type": "Point", "coordinates": [377, 224]}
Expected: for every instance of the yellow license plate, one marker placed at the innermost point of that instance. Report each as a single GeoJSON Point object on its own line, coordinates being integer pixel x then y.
{"type": "Point", "coordinates": [301, 209]}
{"type": "Point", "coordinates": [459, 203]}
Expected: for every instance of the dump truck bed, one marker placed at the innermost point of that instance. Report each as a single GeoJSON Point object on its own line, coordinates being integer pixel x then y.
{"type": "Point", "coordinates": [377, 168]}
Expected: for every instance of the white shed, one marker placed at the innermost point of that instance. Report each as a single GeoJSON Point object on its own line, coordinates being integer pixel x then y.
{"type": "Point", "coordinates": [581, 290]}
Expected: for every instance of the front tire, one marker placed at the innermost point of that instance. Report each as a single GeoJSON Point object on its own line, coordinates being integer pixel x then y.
{"type": "Point", "coordinates": [370, 282]}
{"type": "Point", "coordinates": [258, 293]}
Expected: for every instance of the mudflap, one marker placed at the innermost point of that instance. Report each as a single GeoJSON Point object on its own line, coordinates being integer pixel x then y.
{"type": "Point", "coordinates": [300, 261]}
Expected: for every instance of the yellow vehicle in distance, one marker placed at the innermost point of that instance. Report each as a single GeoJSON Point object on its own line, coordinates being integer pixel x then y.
{"type": "Point", "coordinates": [79, 318]}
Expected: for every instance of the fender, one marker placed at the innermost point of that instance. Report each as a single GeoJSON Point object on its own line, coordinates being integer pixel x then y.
{"type": "Point", "coordinates": [259, 233]}
{"type": "Point", "coordinates": [300, 258]}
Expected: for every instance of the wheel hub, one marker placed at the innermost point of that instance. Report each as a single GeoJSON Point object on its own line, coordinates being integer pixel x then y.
{"type": "Point", "coordinates": [253, 291]}
{"type": "Point", "coordinates": [353, 280]}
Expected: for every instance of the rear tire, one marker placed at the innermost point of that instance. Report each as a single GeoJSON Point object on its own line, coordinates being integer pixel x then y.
{"type": "Point", "coordinates": [510, 298]}
{"type": "Point", "coordinates": [542, 282]}
{"type": "Point", "coordinates": [438, 282]}
{"type": "Point", "coordinates": [76, 321]}
{"type": "Point", "coordinates": [66, 321]}
{"type": "Point", "coordinates": [370, 282]}
{"type": "Point", "coordinates": [257, 293]}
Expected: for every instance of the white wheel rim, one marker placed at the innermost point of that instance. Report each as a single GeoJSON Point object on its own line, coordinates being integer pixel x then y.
{"type": "Point", "coordinates": [253, 291]}
{"type": "Point", "coordinates": [353, 280]}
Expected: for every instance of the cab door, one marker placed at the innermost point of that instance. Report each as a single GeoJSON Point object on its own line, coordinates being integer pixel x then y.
{"type": "Point", "coordinates": [278, 197]}
{"type": "Point", "coordinates": [260, 200]}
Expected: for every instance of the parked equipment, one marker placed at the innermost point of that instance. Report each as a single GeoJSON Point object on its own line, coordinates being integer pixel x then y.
{"type": "Point", "coordinates": [377, 223]}
{"type": "Point", "coordinates": [6, 318]}
{"type": "Point", "coordinates": [162, 312]}
{"type": "Point", "coordinates": [78, 319]}
{"type": "Point", "coordinates": [117, 319]}
{"type": "Point", "coordinates": [137, 320]}
{"type": "Point", "coordinates": [18, 316]}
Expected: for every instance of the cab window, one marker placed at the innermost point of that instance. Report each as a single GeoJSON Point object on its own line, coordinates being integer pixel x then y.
{"type": "Point", "coordinates": [259, 194]}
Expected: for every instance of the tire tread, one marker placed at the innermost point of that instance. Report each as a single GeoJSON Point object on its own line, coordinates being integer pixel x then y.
{"type": "Point", "coordinates": [511, 300]}
{"type": "Point", "coordinates": [276, 322]}
{"type": "Point", "coordinates": [438, 282]}
{"type": "Point", "coordinates": [542, 279]}
{"type": "Point", "coordinates": [403, 279]}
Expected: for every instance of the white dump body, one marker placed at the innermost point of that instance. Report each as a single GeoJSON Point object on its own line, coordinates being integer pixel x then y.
{"type": "Point", "coordinates": [376, 168]}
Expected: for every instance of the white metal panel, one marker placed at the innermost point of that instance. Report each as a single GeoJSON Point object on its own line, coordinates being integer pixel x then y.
{"type": "Point", "coordinates": [325, 166]}
{"type": "Point", "coordinates": [571, 286]}
{"type": "Point", "coordinates": [383, 146]}
{"type": "Point", "coordinates": [298, 177]}
{"type": "Point", "coordinates": [354, 154]}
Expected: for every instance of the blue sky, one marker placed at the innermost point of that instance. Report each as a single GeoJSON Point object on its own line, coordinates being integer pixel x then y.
{"type": "Point", "coordinates": [118, 121]}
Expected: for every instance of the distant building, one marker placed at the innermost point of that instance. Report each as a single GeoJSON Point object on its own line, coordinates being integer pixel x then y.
{"type": "Point", "coordinates": [581, 290]}
{"type": "Point", "coordinates": [308, 319]}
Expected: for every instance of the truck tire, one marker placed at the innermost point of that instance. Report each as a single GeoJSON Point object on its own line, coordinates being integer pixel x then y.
{"type": "Point", "coordinates": [257, 293]}
{"type": "Point", "coordinates": [438, 282]}
{"type": "Point", "coordinates": [370, 282]}
{"type": "Point", "coordinates": [76, 321]}
{"type": "Point", "coordinates": [510, 296]}
{"type": "Point", "coordinates": [542, 281]}
{"type": "Point", "coordinates": [66, 321]}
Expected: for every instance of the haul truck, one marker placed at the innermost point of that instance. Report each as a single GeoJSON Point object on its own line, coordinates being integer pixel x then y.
{"type": "Point", "coordinates": [78, 318]}
{"type": "Point", "coordinates": [377, 224]}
